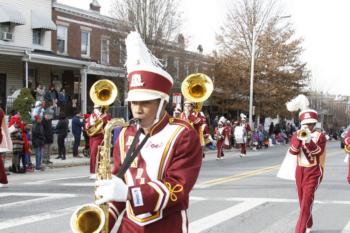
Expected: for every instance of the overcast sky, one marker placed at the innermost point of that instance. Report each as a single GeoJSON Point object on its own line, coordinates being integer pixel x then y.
{"type": "Point", "coordinates": [322, 23]}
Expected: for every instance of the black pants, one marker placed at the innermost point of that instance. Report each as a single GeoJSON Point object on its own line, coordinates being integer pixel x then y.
{"type": "Point", "coordinates": [76, 144]}
{"type": "Point", "coordinates": [61, 146]}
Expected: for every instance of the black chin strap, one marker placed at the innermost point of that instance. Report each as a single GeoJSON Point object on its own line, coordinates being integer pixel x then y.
{"type": "Point", "coordinates": [132, 153]}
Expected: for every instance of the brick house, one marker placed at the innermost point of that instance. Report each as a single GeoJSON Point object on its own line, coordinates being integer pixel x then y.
{"type": "Point", "coordinates": [71, 48]}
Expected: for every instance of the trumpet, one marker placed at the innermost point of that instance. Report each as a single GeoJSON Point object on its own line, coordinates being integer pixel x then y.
{"type": "Point", "coordinates": [303, 134]}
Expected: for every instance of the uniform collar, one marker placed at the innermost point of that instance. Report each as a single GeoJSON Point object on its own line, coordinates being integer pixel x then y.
{"type": "Point", "coordinates": [160, 124]}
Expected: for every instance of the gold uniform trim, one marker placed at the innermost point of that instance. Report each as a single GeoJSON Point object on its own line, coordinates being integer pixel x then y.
{"type": "Point", "coordinates": [132, 216]}
{"type": "Point", "coordinates": [173, 190]}
{"type": "Point", "coordinates": [166, 151]}
{"type": "Point", "coordinates": [160, 194]}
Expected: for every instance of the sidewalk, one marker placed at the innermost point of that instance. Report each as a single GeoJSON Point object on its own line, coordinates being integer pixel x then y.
{"type": "Point", "coordinates": [70, 161]}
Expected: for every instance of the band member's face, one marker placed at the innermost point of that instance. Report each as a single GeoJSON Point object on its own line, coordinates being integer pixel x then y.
{"type": "Point", "coordinates": [188, 107]}
{"type": "Point", "coordinates": [145, 111]}
{"type": "Point", "coordinates": [311, 126]}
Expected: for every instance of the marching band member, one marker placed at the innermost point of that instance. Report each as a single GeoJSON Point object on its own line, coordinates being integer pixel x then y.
{"type": "Point", "coordinates": [241, 132]}
{"type": "Point", "coordinates": [195, 119]}
{"type": "Point", "coordinates": [309, 147]}
{"type": "Point", "coordinates": [96, 135]}
{"type": "Point", "coordinates": [5, 146]}
{"type": "Point", "coordinates": [177, 112]}
{"type": "Point", "coordinates": [155, 189]}
{"type": "Point", "coordinates": [347, 143]}
{"type": "Point", "coordinates": [228, 135]}
{"type": "Point", "coordinates": [191, 116]}
{"type": "Point", "coordinates": [220, 133]}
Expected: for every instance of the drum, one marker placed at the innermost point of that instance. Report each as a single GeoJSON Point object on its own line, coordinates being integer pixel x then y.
{"type": "Point", "coordinates": [240, 134]}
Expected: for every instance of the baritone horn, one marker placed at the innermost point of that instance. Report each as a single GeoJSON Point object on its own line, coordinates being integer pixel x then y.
{"type": "Point", "coordinates": [197, 88]}
{"type": "Point", "coordinates": [102, 93]}
{"type": "Point", "coordinates": [347, 149]}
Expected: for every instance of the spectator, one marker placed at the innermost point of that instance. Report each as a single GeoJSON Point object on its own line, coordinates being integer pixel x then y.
{"type": "Point", "coordinates": [77, 126]}
{"type": "Point", "coordinates": [48, 133]}
{"type": "Point", "coordinates": [62, 131]}
{"type": "Point", "coordinates": [38, 140]}
{"type": "Point", "coordinates": [40, 92]}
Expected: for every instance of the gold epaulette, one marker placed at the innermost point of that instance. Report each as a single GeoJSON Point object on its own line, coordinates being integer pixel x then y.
{"type": "Point", "coordinates": [177, 121]}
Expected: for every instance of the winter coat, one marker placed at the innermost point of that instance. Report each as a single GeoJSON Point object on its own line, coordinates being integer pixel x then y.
{"type": "Point", "coordinates": [48, 132]}
{"type": "Point", "coordinates": [77, 126]}
{"type": "Point", "coordinates": [38, 137]}
{"type": "Point", "coordinates": [62, 127]}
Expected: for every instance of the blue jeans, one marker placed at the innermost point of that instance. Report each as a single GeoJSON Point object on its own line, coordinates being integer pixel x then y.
{"type": "Point", "coordinates": [38, 155]}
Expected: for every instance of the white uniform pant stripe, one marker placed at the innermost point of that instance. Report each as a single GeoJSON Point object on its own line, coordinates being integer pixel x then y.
{"type": "Point", "coordinates": [184, 221]}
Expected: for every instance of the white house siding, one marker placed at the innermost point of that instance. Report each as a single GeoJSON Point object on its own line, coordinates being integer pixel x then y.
{"type": "Point", "coordinates": [23, 35]}
{"type": "Point", "coordinates": [44, 73]}
{"type": "Point", "coordinates": [13, 68]}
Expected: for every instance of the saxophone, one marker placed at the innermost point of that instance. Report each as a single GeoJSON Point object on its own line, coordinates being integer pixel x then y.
{"type": "Point", "coordinates": [92, 218]}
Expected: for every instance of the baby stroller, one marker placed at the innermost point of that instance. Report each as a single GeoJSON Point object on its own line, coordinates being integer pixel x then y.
{"type": "Point", "coordinates": [86, 150]}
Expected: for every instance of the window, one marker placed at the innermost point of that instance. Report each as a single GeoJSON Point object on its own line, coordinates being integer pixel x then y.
{"type": "Point", "coordinates": [187, 70]}
{"type": "Point", "coordinates": [85, 43]}
{"type": "Point", "coordinates": [37, 36]}
{"type": "Point", "coordinates": [62, 33]}
{"type": "Point", "coordinates": [105, 51]}
{"type": "Point", "coordinates": [196, 68]}
{"type": "Point", "coordinates": [177, 69]}
{"type": "Point", "coordinates": [4, 27]}
{"type": "Point", "coordinates": [122, 52]}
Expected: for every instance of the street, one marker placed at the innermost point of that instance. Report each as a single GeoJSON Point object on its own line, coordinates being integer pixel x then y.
{"type": "Point", "coordinates": [232, 195]}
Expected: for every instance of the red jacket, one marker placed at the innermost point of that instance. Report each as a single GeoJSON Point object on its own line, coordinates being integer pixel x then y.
{"type": "Point", "coordinates": [311, 154]}
{"type": "Point", "coordinates": [161, 177]}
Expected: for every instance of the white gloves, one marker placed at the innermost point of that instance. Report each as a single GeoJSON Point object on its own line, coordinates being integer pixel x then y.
{"type": "Point", "coordinates": [111, 190]}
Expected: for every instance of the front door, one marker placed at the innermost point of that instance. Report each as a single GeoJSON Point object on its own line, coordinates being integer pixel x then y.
{"type": "Point", "coordinates": [3, 91]}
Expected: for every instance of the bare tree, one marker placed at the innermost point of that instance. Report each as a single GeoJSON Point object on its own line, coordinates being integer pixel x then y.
{"type": "Point", "coordinates": [156, 20]}
{"type": "Point", "coordinates": [278, 75]}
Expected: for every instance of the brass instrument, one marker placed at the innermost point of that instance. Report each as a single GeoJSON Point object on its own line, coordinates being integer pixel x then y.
{"type": "Point", "coordinates": [197, 88]}
{"type": "Point", "coordinates": [92, 218]}
{"type": "Point", "coordinates": [347, 149]}
{"type": "Point", "coordinates": [103, 93]}
{"type": "Point", "coordinates": [303, 134]}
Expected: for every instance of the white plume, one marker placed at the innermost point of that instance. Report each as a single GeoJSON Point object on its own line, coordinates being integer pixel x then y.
{"type": "Point", "coordinates": [298, 103]}
{"type": "Point", "coordinates": [242, 115]}
{"type": "Point", "coordinates": [138, 53]}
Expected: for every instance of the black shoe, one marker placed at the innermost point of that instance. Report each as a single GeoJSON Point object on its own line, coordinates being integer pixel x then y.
{"type": "Point", "coordinates": [49, 162]}
{"type": "Point", "coordinates": [63, 158]}
{"type": "Point", "coordinates": [59, 157]}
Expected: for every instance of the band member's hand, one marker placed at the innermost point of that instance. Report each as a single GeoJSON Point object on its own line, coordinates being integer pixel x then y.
{"type": "Point", "coordinates": [111, 190]}
{"type": "Point", "coordinates": [348, 179]}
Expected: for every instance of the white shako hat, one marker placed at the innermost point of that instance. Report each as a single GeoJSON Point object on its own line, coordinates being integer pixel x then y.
{"type": "Point", "coordinates": [306, 115]}
{"type": "Point", "coordinates": [243, 116]}
{"type": "Point", "coordinates": [146, 78]}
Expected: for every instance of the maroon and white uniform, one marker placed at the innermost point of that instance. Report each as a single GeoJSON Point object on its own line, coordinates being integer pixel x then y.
{"type": "Point", "coordinates": [194, 119]}
{"type": "Point", "coordinates": [347, 142]}
{"type": "Point", "coordinates": [5, 146]}
{"type": "Point", "coordinates": [308, 174]}
{"type": "Point", "coordinates": [220, 133]}
{"type": "Point", "coordinates": [247, 129]}
{"type": "Point", "coordinates": [159, 179]}
{"type": "Point", "coordinates": [96, 140]}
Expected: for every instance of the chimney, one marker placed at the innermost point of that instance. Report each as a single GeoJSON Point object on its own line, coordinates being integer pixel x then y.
{"type": "Point", "coordinates": [95, 6]}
